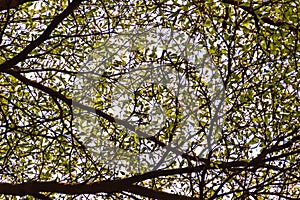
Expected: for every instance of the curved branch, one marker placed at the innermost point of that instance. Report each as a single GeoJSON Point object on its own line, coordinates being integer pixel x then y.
{"type": "Point", "coordinates": [55, 22]}
{"type": "Point", "coordinates": [16, 73]}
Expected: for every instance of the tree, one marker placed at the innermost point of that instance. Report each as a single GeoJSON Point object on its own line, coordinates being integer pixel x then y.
{"type": "Point", "coordinates": [253, 44]}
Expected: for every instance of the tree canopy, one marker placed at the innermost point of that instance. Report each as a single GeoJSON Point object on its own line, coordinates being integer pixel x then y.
{"type": "Point", "coordinates": [45, 48]}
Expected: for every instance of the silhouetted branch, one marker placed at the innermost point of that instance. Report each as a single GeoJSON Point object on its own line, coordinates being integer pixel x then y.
{"type": "Point", "coordinates": [57, 20]}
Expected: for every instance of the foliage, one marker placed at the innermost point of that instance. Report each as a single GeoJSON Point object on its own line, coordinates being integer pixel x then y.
{"type": "Point", "coordinates": [255, 47]}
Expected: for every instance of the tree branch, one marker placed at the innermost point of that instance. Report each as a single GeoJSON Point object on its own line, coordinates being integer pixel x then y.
{"type": "Point", "coordinates": [116, 186]}
{"type": "Point", "coordinates": [55, 22]}
{"type": "Point", "coordinates": [14, 72]}
{"type": "Point", "coordinates": [34, 189]}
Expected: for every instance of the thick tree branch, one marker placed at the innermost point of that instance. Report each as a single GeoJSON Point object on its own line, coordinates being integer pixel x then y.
{"type": "Point", "coordinates": [34, 189]}
{"type": "Point", "coordinates": [55, 22]}
{"type": "Point", "coordinates": [14, 72]}
{"type": "Point", "coordinates": [117, 186]}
